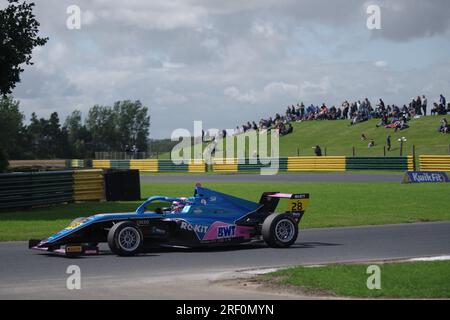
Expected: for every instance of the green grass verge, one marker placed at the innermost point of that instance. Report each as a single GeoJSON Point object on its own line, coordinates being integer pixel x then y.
{"type": "Point", "coordinates": [338, 138]}
{"type": "Point", "coordinates": [398, 280]}
{"type": "Point", "coordinates": [332, 205]}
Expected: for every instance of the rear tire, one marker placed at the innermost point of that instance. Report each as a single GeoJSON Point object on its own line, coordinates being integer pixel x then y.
{"type": "Point", "coordinates": [279, 230]}
{"type": "Point", "coordinates": [125, 239]}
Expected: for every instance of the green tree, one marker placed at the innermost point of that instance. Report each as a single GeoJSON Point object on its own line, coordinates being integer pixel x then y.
{"type": "Point", "coordinates": [47, 139]}
{"type": "Point", "coordinates": [12, 130]}
{"type": "Point", "coordinates": [112, 129]}
{"type": "Point", "coordinates": [79, 137]}
{"type": "Point", "coordinates": [133, 123]}
{"type": "Point", "coordinates": [101, 123]}
{"type": "Point", "coordinates": [18, 37]}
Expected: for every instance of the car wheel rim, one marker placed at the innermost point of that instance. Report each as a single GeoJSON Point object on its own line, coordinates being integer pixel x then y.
{"type": "Point", "coordinates": [129, 239]}
{"type": "Point", "coordinates": [284, 230]}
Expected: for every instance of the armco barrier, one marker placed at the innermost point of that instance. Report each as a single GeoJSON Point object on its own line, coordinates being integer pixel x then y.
{"type": "Point", "coordinates": [197, 166]}
{"type": "Point", "coordinates": [20, 190]}
{"type": "Point", "coordinates": [76, 163]}
{"type": "Point", "coordinates": [101, 164]}
{"type": "Point", "coordinates": [38, 163]}
{"type": "Point", "coordinates": [225, 165]}
{"type": "Point", "coordinates": [169, 166]}
{"type": "Point", "coordinates": [298, 164]}
{"type": "Point", "coordinates": [119, 164]}
{"type": "Point", "coordinates": [150, 165]}
{"type": "Point", "coordinates": [88, 185]}
{"type": "Point", "coordinates": [434, 163]}
{"type": "Point", "coordinates": [380, 163]}
{"type": "Point", "coordinates": [255, 165]}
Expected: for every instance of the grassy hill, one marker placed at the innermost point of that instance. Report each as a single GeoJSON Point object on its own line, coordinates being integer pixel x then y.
{"type": "Point", "coordinates": [338, 138]}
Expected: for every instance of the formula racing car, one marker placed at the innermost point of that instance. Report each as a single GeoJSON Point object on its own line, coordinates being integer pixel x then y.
{"type": "Point", "coordinates": [209, 218]}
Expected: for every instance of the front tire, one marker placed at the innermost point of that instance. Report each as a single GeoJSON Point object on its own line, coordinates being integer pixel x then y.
{"type": "Point", "coordinates": [125, 239]}
{"type": "Point", "coordinates": [279, 230]}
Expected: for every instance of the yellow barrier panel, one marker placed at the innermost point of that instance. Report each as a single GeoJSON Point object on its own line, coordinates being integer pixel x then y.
{"type": "Point", "coordinates": [41, 163]}
{"type": "Point", "coordinates": [76, 163]}
{"type": "Point", "coordinates": [225, 165]}
{"type": "Point", "coordinates": [101, 164]}
{"type": "Point", "coordinates": [316, 164]}
{"type": "Point", "coordinates": [197, 166]}
{"type": "Point", "coordinates": [410, 163]}
{"type": "Point", "coordinates": [150, 165]}
{"type": "Point", "coordinates": [434, 163]}
{"type": "Point", "coordinates": [88, 185]}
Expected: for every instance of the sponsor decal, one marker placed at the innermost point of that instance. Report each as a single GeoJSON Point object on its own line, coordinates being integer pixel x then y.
{"type": "Point", "coordinates": [73, 249]}
{"type": "Point", "coordinates": [74, 225]}
{"type": "Point", "coordinates": [425, 176]}
{"type": "Point", "coordinates": [196, 227]}
{"type": "Point", "coordinates": [226, 231]}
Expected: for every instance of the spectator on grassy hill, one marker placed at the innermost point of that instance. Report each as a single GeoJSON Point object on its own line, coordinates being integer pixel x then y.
{"type": "Point", "coordinates": [254, 126]}
{"type": "Point", "coordinates": [353, 110]}
{"type": "Point", "coordinates": [371, 144]}
{"type": "Point", "coordinates": [323, 113]}
{"type": "Point", "coordinates": [401, 124]}
{"type": "Point", "coordinates": [381, 105]}
{"type": "Point", "coordinates": [435, 108]}
{"type": "Point", "coordinates": [424, 105]}
{"type": "Point", "coordinates": [302, 110]}
{"type": "Point", "coordinates": [442, 100]}
{"type": "Point", "coordinates": [318, 151]}
{"type": "Point", "coordinates": [338, 113]}
{"type": "Point", "coordinates": [384, 120]}
{"type": "Point", "coordinates": [345, 110]}
{"type": "Point", "coordinates": [444, 128]}
{"type": "Point", "coordinates": [388, 142]}
{"type": "Point", "coordinates": [439, 109]}
{"type": "Point", "coordinates": [419, 106]}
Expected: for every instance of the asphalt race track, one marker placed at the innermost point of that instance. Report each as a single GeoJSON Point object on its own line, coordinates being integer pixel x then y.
{"type": "Point", "coordinates": [190, 274]}
{"type": "Point", "coordinates": [291, 177]}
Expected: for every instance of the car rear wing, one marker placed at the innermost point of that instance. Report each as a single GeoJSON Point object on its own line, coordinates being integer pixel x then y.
{"type": "Point", "coordinates": [298, 202]}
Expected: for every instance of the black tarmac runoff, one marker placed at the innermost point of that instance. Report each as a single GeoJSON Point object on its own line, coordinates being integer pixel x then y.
{"type": "Point", "coordinates": [190, 274]}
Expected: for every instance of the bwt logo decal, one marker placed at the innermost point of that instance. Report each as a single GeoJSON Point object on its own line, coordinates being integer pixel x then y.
{"type": "Point", "coordinates": [226, 232]}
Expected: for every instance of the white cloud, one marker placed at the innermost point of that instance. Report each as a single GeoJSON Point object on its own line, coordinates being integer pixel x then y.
{"type": "Point", "coordinates": [235, 94]}
{"type": "Point", "coordinates": [380, 63]}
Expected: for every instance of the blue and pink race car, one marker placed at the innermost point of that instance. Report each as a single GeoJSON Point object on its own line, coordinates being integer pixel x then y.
{"type": "Point", "coordinates": [209, 218]}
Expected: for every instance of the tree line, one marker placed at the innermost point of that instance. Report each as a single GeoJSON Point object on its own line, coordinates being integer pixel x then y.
{"type": "Point", "coordinates": [105, 128]}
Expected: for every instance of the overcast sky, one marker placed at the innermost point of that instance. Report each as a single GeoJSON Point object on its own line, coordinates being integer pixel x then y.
{"type": "Point", "coordinates": [226, 62]}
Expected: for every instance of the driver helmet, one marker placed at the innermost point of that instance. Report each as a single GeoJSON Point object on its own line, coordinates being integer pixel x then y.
{"type": "Point", "coordinates": [177, 206]}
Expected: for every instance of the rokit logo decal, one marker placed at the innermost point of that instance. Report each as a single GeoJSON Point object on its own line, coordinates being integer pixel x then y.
{"type": "Point", "coordinates": [196, 227]}
{"type": "Point", "coordinates": [226, 232]}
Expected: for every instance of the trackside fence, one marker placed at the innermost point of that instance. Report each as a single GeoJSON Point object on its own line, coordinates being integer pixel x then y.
{"type": "Point", "coordinates": [233, 165]}
{"type": "Point", "coordinates": [434, 163]}
{"type": "Point", "coordinates": [31, 189]}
